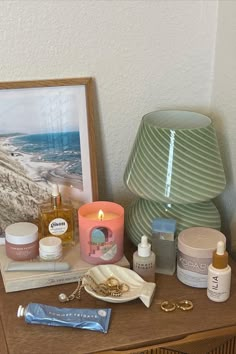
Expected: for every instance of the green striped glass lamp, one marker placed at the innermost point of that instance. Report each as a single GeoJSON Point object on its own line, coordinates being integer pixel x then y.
{"type": "Point", "coordinates": [175, 160]}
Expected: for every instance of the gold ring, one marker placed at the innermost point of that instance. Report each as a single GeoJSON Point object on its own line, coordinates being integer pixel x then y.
{"type": "Point", "coordinates": [185, 305]}
{"type": "Point", "coordinates": [124, 287]}
{"type": "Point", "coordinates": [168, 306]}
{"type": "Point", "coordinates": [111, 282]}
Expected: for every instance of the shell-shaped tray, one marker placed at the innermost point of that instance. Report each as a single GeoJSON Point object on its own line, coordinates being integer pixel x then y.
{"type": "Point", "coordinates": [138, 288]}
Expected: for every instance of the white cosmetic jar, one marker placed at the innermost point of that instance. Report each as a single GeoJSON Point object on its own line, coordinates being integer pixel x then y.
{"type": "Point", "coordinates": [22, 241]}
{"type": "Point", "coordinates": [50, 248]}
{"type": "Point", "coordinates": [194, 255]}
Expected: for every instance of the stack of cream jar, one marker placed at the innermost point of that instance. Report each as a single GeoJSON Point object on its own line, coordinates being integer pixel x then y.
{"type": "Point", "coordinates": [22, 243]}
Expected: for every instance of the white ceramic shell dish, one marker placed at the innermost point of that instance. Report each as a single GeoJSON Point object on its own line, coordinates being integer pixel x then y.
{"type": "Point", "coordinates": [138, 288]}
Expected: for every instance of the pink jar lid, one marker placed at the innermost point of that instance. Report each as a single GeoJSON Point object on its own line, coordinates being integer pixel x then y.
{"type": "Point", "coordinates": [21, 233]}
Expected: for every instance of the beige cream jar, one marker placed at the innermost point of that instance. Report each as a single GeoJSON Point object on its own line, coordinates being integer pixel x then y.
{"type": "Point", "coordinates": [195, 250]}
{"type": "Point", "coordinates": [22, 241]}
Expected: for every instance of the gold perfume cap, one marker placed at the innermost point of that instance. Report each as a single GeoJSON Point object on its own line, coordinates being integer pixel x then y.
{"type": "Point", "coordinates": [220, 256]}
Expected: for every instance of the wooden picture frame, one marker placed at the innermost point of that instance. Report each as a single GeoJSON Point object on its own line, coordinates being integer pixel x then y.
{"type": "Point", "coordinates": [39, 124]}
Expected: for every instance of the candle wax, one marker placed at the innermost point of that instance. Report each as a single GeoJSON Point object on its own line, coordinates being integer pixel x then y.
{"type": "Point", "coordinates": [107, 216]}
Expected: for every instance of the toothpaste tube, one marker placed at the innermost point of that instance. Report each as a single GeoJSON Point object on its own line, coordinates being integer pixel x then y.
{"type": "Point", "coordinates": [91, 319]}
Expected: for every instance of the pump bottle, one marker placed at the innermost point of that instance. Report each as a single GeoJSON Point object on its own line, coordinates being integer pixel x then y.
{"type": "Point", "coordinates": [219, 275]}
{"type": "Point", "coordinates": [144, 260]}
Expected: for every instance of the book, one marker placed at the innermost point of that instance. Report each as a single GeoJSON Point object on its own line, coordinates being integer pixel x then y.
{"type": "Point", "coordinates": [17, 281]}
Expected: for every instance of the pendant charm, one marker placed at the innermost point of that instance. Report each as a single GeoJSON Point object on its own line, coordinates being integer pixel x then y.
{"type": "Point", "coordinates": [63, 297]}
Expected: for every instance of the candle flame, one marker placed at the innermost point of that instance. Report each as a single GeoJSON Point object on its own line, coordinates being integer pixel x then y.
{"type": "Point", "coordinates": [100, 215]}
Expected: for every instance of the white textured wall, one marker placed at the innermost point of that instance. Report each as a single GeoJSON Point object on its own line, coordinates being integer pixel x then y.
{"type": "Point", "coordinates": [224, 109]}
{"type": "Point", "coordinates": [144, 55]}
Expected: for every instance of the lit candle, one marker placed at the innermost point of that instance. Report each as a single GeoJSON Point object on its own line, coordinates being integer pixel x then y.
{"type": "Point", "coordinates": [101, 216]}
{"type": "Point", "coordinates": [101, 231]}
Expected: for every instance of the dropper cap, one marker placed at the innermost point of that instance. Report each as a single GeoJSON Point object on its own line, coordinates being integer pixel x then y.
{"type": "Point", "coordinates": [144, 248]}
{"type": "Point", "coordinates": [220, 256]}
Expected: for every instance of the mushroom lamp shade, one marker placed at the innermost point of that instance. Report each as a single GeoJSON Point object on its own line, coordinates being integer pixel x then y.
{"type": "Point", "coordinates": [175, 159]}
{"type": "Point", "coordinates": [141, 213]}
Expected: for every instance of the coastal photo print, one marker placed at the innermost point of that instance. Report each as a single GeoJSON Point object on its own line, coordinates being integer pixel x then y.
{"type": "Point", "coordinates": [46, 137]}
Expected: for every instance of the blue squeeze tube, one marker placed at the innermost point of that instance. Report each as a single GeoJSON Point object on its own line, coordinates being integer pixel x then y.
{"type": "Point", "coordinates": [91, 319]}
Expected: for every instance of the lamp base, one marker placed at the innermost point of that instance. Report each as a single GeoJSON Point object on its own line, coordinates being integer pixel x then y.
{"type": "Point", "coordinates": [140, 214]}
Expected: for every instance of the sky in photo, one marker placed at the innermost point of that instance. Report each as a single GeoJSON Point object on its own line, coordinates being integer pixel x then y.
{"type": "Point", "coordinates": [39, 110]}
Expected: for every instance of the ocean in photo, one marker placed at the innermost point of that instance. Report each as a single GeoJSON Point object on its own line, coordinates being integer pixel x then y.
{"type": "Point", "coordinates": [53, 147]}
{"type": "Point", "coordinates": [54, 157]}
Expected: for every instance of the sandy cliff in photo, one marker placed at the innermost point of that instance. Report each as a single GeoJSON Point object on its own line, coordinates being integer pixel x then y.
{"type": "Point", "coordinates": [19, 195]}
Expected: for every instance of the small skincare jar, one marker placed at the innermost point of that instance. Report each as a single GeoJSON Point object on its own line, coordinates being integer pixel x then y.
{"type": "Point", "coordinates": [195, 251]}
{"type": "Point", "coordinates": [50, 248]}
{"type": "Point", "coordinates": [22, 241]}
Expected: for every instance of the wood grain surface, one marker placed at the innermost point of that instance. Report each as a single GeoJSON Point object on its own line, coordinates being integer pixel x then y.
{"type": "Point", "coordinates": [3, 344]}
{"type": "Point", "coordinates": [132, 325]}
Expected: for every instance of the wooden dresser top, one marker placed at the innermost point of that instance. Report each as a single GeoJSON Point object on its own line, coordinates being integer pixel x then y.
{"type": "Point", "coordinates": [132, 324]}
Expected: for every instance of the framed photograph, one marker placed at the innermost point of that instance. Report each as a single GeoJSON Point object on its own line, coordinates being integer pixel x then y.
{"type": "Point", "coordinates": [46, 137]}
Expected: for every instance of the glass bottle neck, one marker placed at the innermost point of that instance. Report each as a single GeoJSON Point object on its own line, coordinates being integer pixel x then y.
{"type": "Point", "coordinates": [56, 200]}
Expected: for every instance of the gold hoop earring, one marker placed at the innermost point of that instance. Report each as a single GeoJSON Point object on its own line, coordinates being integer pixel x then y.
{"type": "Point", "coordinates": [168, 306]}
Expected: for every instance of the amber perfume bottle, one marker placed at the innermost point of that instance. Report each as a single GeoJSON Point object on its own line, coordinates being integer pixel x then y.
{"type": "Point", "coordinates": [57, 218]}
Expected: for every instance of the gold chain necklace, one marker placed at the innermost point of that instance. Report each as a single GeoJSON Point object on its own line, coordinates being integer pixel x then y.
{"type": "Point", "coordinates": [110, 287]}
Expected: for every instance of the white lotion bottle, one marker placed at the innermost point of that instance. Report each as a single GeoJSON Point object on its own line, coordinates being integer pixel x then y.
{"type": "Point", "coordinates": [219, 275]}
{"type": "Point", "coordinates": [144, 260]}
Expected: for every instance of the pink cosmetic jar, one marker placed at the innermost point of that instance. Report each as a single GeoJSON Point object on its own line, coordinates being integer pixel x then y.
{"type": "Point", "coordinates": [22, 242]}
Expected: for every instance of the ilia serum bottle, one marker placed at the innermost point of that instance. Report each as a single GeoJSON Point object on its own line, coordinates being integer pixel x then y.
{"type": "Point", "coordinates": [57, 218]}
{"type": "Point", "coordinates": [219, 275]}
